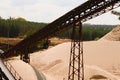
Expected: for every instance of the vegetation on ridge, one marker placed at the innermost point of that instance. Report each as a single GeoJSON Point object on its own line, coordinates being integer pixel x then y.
{"type": "Point", "coordinates": [22, 28]}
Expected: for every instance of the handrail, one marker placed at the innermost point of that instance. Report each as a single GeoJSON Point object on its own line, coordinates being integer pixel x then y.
{"type": "Point", "coordinates": [2, 75]}
{"type": "Point", "coordinates": [13, 71]}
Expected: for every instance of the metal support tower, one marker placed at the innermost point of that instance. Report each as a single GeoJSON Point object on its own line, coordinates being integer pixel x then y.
{"type": "Point", "coordinates": [25, 56]}
{"type": "Point", "coordinates": [76, 65]}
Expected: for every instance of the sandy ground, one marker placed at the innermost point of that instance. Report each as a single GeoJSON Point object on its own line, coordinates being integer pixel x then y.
{"type": "Point", "coordinates": [23, 69]}
{"type": "Point", "coordinates": [101, 57]}
{"type": "Point", "coordinates": [113, 35]}
{"type": "Point", "coordinates": [98, 55]}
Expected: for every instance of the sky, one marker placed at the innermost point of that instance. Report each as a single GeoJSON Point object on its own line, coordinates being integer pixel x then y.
{"type": "Point", "coordinates": [48, 10]}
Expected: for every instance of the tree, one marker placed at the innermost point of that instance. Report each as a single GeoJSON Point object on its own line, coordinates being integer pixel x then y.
{"type": "Point", "coordinates": [20, 19]}
{"type": "Point", "coordinates": [0, 17]}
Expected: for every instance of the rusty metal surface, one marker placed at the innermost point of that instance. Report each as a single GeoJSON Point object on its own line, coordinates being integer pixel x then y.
{"type": "Point", "coordinates": [76, 64]}
{"type": "Point", "coordinates": [84, 12]}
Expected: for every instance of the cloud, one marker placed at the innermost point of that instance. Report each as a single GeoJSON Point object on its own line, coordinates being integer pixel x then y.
{"type": "Point", "coordinates": [36, 10]}
{"type": "Point", "coordinates": [106, 18]}
{"type": "Point", "coordinates": [4, 4]}
{"type": "Point", "coordinates": [23, 2]}
{"type": "Point", "coordinates": [42, 10]}
{"type": "Point", "coordinates": [5, 7]}
{"type": "Point", "coordinates": [68, 2]}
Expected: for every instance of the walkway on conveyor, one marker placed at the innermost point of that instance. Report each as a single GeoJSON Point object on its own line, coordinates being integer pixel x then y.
{"type": "Point", "coordinates": [6, 71]}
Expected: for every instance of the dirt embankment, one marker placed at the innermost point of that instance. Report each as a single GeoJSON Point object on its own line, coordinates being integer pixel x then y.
{"type": "Point", "coordinates": [113, 35]}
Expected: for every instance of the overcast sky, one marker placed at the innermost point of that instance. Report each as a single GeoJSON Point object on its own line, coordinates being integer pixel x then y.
{"type": "Point", "coordinates": [47, 10]}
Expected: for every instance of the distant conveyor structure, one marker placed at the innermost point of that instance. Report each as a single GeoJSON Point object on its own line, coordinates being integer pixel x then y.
{"type": "Point", "coordinates": [84, 12]}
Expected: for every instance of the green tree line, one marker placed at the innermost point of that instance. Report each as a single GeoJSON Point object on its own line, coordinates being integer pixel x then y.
{"type": "Point", "coordinates": [20, 27]}
{"type": "Point", "coordinates": [89, 32]}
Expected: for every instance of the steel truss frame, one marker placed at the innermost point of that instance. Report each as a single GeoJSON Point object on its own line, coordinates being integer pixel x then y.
{"type": "Point", "coordinates": [76, 65]}
{"type": "Point", "coordinates": [84, 12]}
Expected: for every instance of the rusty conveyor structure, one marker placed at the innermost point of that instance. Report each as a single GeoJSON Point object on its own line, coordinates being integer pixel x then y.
{"type": "Point", "coordinates": [88, 10]}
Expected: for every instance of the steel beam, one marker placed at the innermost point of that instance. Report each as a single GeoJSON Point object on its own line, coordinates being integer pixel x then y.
{"type": "Point", "coordinates": [76, 65]}
{"type": "Point", "coordinates": [84, 12]}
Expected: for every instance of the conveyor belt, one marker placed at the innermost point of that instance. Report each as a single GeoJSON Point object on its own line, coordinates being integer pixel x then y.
{"type": "Point", "coordinates": [84, 12]}
{"type": "Point", "coordinates": [5, 72]}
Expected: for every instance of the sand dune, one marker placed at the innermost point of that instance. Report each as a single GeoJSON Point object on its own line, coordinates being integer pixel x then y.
{"type": "Point", "coordinates": [101, 58]}
{"type": "Point", "coordinates": [113, 35]}
{"type": "Point", "coordinates": [103, 54]}
{"type": "Point", "coordinates": [26, 71]}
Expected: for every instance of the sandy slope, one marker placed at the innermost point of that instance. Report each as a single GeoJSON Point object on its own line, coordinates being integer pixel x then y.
{"type": "Point", "coordinates": [113, 35]}
{"type": "Point", "coordinates": [25, 70]}
{"type": "Point", "coordinates": [103, 54]}
{"type": "Point", "coordinates": [100, 58]}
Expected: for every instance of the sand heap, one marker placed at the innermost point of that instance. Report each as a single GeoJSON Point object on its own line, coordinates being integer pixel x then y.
{"type": "Point", "coordinates": [113, 35]}
{"type": "Point", "coordinates": [26, 71]}
{"type": "Point", "coordinates": [100, 57]}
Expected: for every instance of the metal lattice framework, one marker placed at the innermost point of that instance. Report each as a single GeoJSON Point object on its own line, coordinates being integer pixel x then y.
{"type": "Point", "coordinates": [82, 13]}
{"type": "Point", "coordinates": [76, 65]}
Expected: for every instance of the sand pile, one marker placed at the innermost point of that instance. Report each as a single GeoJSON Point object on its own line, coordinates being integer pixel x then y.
{"type": "Point", "coordinates": [26, 71]}
{"type": "Point", "coordinates": [113, 35]}
{"type": "Point", "coordinates": [101, 59]}
{"type": "Point", "coordinates": [97, 73]}
{"type": "Point", "coordinates": [104, 55]}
